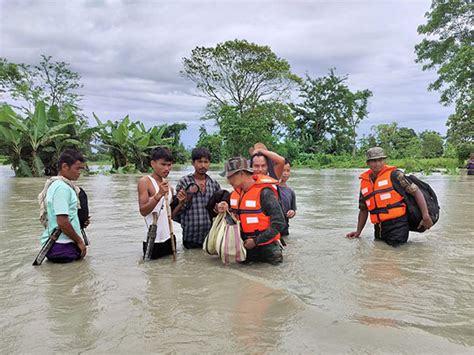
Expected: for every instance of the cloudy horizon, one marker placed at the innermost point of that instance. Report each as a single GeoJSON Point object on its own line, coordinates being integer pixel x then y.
{"type": "Point", "coordinates": [129, 53]}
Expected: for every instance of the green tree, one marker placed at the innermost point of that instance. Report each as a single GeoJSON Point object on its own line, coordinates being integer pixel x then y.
{"type": "Point", "coordinates": [449, 50]}
{"type": "Point", "coordinates": [461, 131]}
{"type": "Point", "coordinates": [53, 83]}
{"type": "Point", "coordinates": [329, 114]}
{"type": "Point", "coordinates": [27, 139]}
{"type": "Point", "coordinates": [9, 73]}
{"type": "Point", "coordinates": [398, 142]}
{"type": "Point", "coordinates": [213, 142]}
{"type": "Point", "coordinates": [173, 133]}
{"type": "Point", "coordinates": [115, 140]}
{"type": "Point", "coordinates": [356, 110]}
{"type": "Point", "coordinates": [432, 144]}
{"type": "Point", "coordinates": [266, 123]}
{"type": "Point", "coordinates": [239, 74]}
{"type": "Point", "coordinates": [386, 137]}
{"type": "Point", "coordinates": [129, 143]}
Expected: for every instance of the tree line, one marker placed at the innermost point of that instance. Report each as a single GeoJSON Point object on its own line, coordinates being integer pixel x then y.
{"type": "Point", "coordinates": [252, 96]}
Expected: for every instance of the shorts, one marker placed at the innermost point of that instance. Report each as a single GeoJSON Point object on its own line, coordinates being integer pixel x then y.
{"type": "Point", "coordinates": [64, 253]}
{"type": "Point", "coordinates": [160, 249]}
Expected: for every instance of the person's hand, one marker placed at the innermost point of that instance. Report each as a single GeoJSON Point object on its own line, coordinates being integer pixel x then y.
{"type": "Point", "coordinates": [164, 189]}
{"type": "Point", "coordinates": [222, 207]}
{"type": "Point", "coordinates": [82, 248]}
{"type": "Point", "coordinates": [260, 146]}
{"type": "Point", "coordinates": [353, 235]}
{"type": "Point", "coordinates": [426, 222]}
{"type": "Point", "coordinates": [291, 213]}
{"type": "Point", "coordinates": [249, 243]}
{"type": "Point", "coordinates": [181, 196]}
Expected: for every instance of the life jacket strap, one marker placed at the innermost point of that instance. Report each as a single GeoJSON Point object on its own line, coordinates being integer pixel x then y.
{"type": "Point", "coordinates": [373, 193]}
{"type": "Point", "coordinates": [388, 207]}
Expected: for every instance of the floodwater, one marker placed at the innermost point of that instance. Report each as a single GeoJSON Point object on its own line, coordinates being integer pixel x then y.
{"type": "Point", "coordinates": [331, 294]}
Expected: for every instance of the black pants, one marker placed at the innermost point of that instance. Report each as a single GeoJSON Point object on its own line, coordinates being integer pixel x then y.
{"type": "Point", "coordinates": [393, 232]}
{"type": "Point", "coordinates": [269, 253]}
{"type": "Point", "coordinates": [160, 249]}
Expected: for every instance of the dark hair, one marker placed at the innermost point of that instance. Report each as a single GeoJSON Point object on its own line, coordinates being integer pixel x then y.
{"type": "Point", "coordinates": [199, 153]}
{"type": "Point", "coordinates": [161, 153]}
{"type": "Point", "coordinates": [70, 156]}
{"type": "Point", "coordinates": [287, 162]}
{"type": "Point", "coordinates": [258, 155]}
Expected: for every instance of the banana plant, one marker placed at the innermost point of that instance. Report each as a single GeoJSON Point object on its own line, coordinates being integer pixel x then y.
{"type": "Point", "coordinates": [80, 136]}
{"type": "Point", "coordinates": [143, 141]}
{"type": "Point", "coordinates": [40, 135]}
{"type": "Point", "coordinates": [129, 143]}
{"type": "Point", "coordinates": [11, 140]}
{"type": "Point", "coordinates": [115, 138]}
{"type": "Point", "coordinates": [27, 137]}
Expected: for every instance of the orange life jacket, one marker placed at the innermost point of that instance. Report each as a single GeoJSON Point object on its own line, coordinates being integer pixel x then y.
{"type": "Point", "coordinates": [382, 200]}
{"type": "Point", "coordinates": [247, 205]}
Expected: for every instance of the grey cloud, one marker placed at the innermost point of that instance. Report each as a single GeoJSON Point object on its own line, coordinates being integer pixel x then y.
{"type": "Point", "coordinates": [129, 54]}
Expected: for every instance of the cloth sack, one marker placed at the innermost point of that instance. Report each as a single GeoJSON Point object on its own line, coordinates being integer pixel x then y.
{"type": "Point", "coordinates": [230, 244]}
{"type": "Point", "coordinates": [217, 229]}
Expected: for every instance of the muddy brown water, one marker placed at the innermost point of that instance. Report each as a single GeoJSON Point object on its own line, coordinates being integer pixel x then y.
{"type": "Point", "coordinates": [331, 294]}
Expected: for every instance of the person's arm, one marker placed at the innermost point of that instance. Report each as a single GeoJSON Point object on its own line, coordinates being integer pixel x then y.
{"type": "Point", "coordinates": [60, 204]}
{"type": "Point", "coordinates": [68, 229]}
{"type": "Point", "coordinates": [270, 207]}
{"type": "Point", "coordinates": [278, 160]}
{"type": "Point", "coordinates": [147, 203]}
{"type": "Point", "coordinates": [361, 221]}
{"type": "Point", "coordinates": [421, 202]}
{"type": "Point", "coordinates": [181, 197]}
{"type": "Point", "coordinates": [413, 190]}
{"type": "Point", "coordinates": [292, 211]}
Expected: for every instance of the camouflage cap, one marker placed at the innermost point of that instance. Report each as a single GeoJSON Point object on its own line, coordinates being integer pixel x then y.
{"type": "Point", "coordinates": [375, 153]}
{"type": "Point", "coordinates": [235, 165]}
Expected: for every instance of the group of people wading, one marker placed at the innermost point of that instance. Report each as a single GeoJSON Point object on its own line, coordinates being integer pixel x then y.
{"type": "Point", "coordinates": [260, 200]}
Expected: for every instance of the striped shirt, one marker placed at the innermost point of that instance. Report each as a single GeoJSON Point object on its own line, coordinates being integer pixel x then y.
{"type": "Point", "coordinates": [194, 217]}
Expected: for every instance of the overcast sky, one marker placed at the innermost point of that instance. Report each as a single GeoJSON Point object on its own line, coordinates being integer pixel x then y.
{"type": "Point", "coordinates": [129, 53]}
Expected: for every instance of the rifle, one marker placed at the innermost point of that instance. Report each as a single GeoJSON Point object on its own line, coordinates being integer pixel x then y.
{"type": "Point", "coordinates": [47, 247]}
{"type": "Point", "coordinates": [150, 239]}
{"type": "Point", "coordinates": [84, 236]}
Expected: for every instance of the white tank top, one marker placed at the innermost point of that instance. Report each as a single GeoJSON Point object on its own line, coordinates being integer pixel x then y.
{"type": "Point", "coordinates": [163, 228]}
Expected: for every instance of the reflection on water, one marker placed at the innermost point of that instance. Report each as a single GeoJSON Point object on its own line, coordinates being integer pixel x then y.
{"type": "Point", "coordinates": [330, 295]}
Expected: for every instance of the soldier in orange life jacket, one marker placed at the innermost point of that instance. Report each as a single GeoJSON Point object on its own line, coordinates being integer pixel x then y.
{"type": "Point", "coordinates": [254, 202]}
{"type": "Point", "coordinates": [381, 194]}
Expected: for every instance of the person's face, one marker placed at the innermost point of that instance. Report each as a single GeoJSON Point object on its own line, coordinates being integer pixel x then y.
{"type": "Point", "coordinates": [72, 172]}
{"type": "Point", "coordinates": [161, 167]}
{"type": "Point", "coordinates": [201, 166]}
{"type": "Point", "coordinates": [235, 180]}
{"type": "Point", "coordinates": [286, 173]}
{"type": "Point", "coordinates": [376, 165]}
{"type": "Point", "coordinates": [260, 166]}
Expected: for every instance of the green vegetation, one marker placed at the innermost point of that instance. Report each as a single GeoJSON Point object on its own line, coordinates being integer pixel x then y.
{"type": "Point", "coordinates": [249, 90]}
{"type": "Point", "coordinates": [33, 143]}
{"type": "Point", "coordinates": [448, 49]}
{"type": "Point", "coordinates": [320, 161]}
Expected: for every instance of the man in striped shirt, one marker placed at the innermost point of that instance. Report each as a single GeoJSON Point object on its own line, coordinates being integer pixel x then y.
{"type": "Point", "coordinates": [193, 193]}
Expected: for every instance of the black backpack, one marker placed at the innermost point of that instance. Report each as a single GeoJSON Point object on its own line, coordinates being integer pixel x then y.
{"type": "Point", "coordinates": [83, 212]}
{"type": "Point", "coordinates": [414, 212]}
